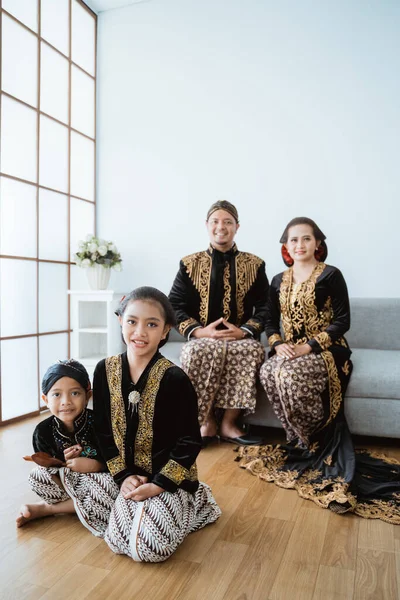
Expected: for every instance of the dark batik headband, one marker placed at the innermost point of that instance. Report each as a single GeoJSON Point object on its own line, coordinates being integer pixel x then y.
{"type": "Point", "coordinates": [224, 205]}
{"type": "Point", "coordinates": [67, 368]}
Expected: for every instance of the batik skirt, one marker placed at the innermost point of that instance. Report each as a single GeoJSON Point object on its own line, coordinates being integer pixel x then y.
{"type": "Point", "coordinates": [152, 530]}
{"type": "Point", "coordinates": [319, 460]}
{"type": "Point", "coordinates": [223, 373]}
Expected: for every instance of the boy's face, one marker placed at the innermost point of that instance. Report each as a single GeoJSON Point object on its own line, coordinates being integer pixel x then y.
{"type": "Point", "coordinates": [66, 400]}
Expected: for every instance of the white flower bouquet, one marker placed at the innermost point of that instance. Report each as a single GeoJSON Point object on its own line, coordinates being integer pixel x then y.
{"type": "Point", "coordinates": [94, 251]}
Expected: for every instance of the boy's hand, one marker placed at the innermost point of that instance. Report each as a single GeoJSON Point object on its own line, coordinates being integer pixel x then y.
{"type": "Point", "coordinates": [72, 452]}
{"type": "Point", "coordinates": [81, 464]}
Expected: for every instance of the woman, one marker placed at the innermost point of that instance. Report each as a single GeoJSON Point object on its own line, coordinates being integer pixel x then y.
{"type": "Point", "coordinates": [146, 423]}
{"type": "Point", "coordinates": [305, 379]}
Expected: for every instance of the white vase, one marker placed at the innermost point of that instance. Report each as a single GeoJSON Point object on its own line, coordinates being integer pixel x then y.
{"type": "Point", "coordinates": [98, 277]}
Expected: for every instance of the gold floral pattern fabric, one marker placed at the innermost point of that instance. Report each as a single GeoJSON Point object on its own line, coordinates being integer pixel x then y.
{"type": "Point", "coordinates": [294, 388]}
{"type": "Point", "coordinates": [223, 373]}
{"type": "Point", "coordinates": [198, 267]}
{"type": "Point", "coordinates": [185, 324]}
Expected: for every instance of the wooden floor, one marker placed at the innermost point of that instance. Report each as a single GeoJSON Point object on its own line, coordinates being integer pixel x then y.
{"type": "Point", "coordinates": [268, 544]}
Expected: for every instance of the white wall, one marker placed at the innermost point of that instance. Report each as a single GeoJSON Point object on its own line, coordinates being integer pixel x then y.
{"type": "Point", "coordinates": [284, 108]}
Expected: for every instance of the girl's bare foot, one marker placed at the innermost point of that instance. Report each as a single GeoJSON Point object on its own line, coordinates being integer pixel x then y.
{"type": "Point", "coordinates": [28, 512]}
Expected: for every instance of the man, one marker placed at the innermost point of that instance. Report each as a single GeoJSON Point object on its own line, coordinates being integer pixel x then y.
{"type": "Point", "coordinates": [220, 299]}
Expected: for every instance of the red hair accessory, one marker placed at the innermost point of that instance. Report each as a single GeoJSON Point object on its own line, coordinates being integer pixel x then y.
{"type": "Point", "coordinates": [122, 299]}
{"type": "Point", "coordinates": [287, 259]}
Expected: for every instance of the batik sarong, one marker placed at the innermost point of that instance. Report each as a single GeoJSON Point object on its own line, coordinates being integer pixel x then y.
{"type": "Point", "coordinates": [223, 373]}
{"type": "Point", "coordinates": [93, 494]}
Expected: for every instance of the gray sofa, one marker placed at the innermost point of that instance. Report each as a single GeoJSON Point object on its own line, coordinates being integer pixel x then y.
{"type": "Point", "coordinates": [372, 402]}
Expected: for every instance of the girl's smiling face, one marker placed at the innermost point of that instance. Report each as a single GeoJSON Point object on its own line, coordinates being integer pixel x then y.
{"type": "Point", "coordinates": [66, 399]}
{"type": "Point", "coordinates": [143, 327]}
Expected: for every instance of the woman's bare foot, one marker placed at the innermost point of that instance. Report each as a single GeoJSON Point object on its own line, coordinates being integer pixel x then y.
{"type": "Point", "coordinates": [209, 429]}
{"type": "Point", "coordinates": [28, 512]}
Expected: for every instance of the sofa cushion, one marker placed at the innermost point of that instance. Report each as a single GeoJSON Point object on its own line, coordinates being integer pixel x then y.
{"type": "Point", "coordinates": [375, 323]}
{"type": "Point", "coordinates": [376, 374]}
{"type": "Point", "coordinates": [172, 351]}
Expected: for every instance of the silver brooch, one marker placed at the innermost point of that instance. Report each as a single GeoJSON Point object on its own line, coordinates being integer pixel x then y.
{"type": "Point", "coordinates": [134, 399]}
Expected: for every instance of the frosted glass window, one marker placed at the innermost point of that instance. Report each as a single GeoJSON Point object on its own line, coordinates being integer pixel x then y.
{"type": "Point", "coordinates": [79, 279]}
{"type": "Point", "coordinates": [51, 349]}
{"type": "Point", "coordinates": [53, 164]}
{"type": "Point", "coordinates": [83, 37]}
{"type": "Point", "coordinates": [82, 222]}
{"type": "Point", "coordinates": [53, 299]}
{"type": "Point", "coordinates": [82, 166]}
{"type": "Point", "coordinates": [54, 22]}
{"type": "Point", "coordinates": [53, 219]}
{"type": "Point", "coordinates": [18, 218]}
{"type": "Point", "coordinates": [18, 139]}
{"type": "Point", "coordinates": [82, 102]}
{"type": "Point", "coordinates": [19, 61]}
{"type": "Point", "coordinates": [54, 84]}
{"type": "Point", "coordinates": [25, 11]}
{"type": "Point", "coordinates": [19, 377]}
{"type": "Point", "coordinates": [18, 305]}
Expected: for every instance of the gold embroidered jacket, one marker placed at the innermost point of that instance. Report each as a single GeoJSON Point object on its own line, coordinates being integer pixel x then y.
{"type": "Point", "coordinates": [316, 312]}
{"type": "Point", "coordinates": [160, 437]}
{"type": "Point", "coordinates": [213, 284]}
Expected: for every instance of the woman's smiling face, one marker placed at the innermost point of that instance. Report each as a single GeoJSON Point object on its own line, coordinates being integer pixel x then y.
{"type": "Point", "coordinates": [301, 243]}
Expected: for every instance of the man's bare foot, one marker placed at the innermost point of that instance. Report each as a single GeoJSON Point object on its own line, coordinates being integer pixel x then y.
{"type": "Point", "coordinates": [28, 512]}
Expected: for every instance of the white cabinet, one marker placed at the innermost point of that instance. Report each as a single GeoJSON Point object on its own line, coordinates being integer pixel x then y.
{"type": "Point", "coordinates": [96, 332]}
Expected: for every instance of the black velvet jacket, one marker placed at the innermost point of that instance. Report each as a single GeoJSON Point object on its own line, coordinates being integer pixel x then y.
{"type": "Point", "coordinates": [213, 284]}
{"type": "Point", "coordinates": [160, 436]}
{"type": "Point", "coordinates": [51, 436]}
{"type": "Point", "coordinates": [319, 315]}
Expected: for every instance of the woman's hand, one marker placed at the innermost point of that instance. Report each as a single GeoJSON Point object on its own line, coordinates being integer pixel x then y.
{"type": "Point", "coordinates": [72, 452]}
{"type": "Point", "coordinates": [81, 464]}
{"type": "Point", "coordinates": [148, 490]}
{"type": "Point", "coordinates": [302, 350]}
{"type": "Point", "coordinates": [131, 483]}
{"type": "Point", "coordinates": [290, 351]}
{"type": "Point", "coordinates": [285, 351]}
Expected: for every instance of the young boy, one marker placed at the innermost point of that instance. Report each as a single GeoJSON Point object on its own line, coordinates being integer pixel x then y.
{"type": "Point", "coordinates": [79, 482]}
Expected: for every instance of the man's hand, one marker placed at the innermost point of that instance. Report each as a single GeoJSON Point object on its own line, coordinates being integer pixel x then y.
{"type": "Point", "coordinates": [72, 452]}
{"type": "Point", "coordinates": [147, 490]}
{"type": "Point", "coordinates": [81, 464]}
{"type": "Point", "coordinates": [211, 331]}
{"type": "Point", "coordinates": [131, 483]}
{"type": "Point", "coordinates": [235, 333]}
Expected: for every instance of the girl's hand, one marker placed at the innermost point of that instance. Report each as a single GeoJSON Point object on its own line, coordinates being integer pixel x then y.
{"type": "Point", "coordinates": [286, 351]}
{"type": "Point", "coordinates": [82, 464]}
{"type": "Point", "coordinates": [72, 452]}
{"type": "Point", "coordinates": [130, 484]}
{"type": "Point", "coordinates": [148, 490]}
